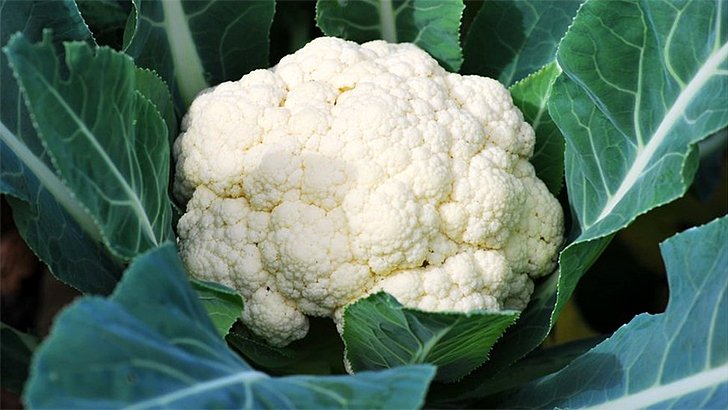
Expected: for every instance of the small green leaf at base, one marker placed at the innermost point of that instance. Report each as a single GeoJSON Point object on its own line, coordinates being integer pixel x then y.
{"type": "Point", "coordinates": [380, 333]}
{"type": "Point", "coordinates": [222, 304]}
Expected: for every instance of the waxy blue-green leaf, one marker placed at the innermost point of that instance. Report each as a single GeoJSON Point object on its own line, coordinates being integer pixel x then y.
{"type": "Point", "coordinates": [380, 333]}
{"type": "Point", "coordinates": [642, 82]}
{"type": "Point", "coordinates": [531, 95]}
{"type": "Point", "coordinates": [49, 219]}
{"type": "Point", "coordinates": [510, 39]}
{"type": "Point", "coordinates": [106, 140]}
{"type": "Point", "coordinates": [631, 107]}
{"type": "Point", "coordinates": [677, 359]}
{"type": "Point", "coordinates": [194, 45]}
{"type": "Point", "coordinates": [222, 304]}
{"type": "Point", "coordinates": [152, 345]}
{"type": "Point", "coordinates": [432, 25]}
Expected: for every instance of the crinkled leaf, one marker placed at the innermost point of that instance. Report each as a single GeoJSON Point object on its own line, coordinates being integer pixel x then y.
{"type": "Point", "coordinates": [41, 202]}
{"type": "Point", "coordinates": [678, 359]}
{"type": "Point", "coordinates": [510, 39]}
{"type": "Point", "coordinates": [16, 350]}
{"type": "Point", "coordinates": [152, 345]}
{"type": "Point", "coordinates": [380, 333]}
{"type": "Point", "coordinates": [107, 141]}
{"type": "Point", "coordinates": [194, 45]}
{"type": "Point", "coordinates": [320, 352]}
{"type": "Point", "coordinates": [432, 25]}
{"type": "Point", "coordinates": [222, 304]}
{"type": "Point", "coordinates": [530, 95]}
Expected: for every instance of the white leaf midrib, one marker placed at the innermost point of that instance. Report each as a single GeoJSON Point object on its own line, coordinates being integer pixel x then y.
{"type": "Point", "coordinates": [387, 18]}
{"type": "Point", "coordinates": [48, 179]}
{"type": "Point", "coordinates": [189, 73]}
{"type": "Point", "coordinates": [245, 377]}
{"type": "Point", "coordinates": [679, 388]}
{"type": "Point", "coordinates": [135, 201]}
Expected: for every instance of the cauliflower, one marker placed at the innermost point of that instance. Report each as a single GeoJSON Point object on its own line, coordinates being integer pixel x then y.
{"type": "Point", "coordinates": [350, 169]}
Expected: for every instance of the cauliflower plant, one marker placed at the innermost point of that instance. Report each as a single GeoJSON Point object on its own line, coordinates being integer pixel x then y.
{"type": "Point", "coordinates": [349, 169]}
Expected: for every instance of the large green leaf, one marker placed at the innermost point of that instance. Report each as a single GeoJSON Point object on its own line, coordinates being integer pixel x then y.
{"type": "Point", "coordinates": [107, 141]}
{"type": "Point", "coordinates": [678, 359]}
{"type": "Point", "coordinates": [642, 82]}
{"type": "Point", "coordinates": [41, 203]}
{"type": "Point", "coordinates": [531, 95]}
{"type": "Point", "coordinates": [16, 350]}
{"type": "Point", "coordinates": [510, 39]}
{"type": "Point", "coordinates": [152, 345]}
{"type": "Point", "coordinates": [380, 333]}
{"type": "Point", "coordinates": [631, 105]}
{"type": "Point", "coordinates": [432, 25]}
{"type": "Point", "coordinates": [194, 45]}
{"type": "Point", "coordinates": [223, 305]}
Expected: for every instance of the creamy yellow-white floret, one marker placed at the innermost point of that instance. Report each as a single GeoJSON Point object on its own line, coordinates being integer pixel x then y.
{"type": "Point", "coordinates": [349, 169]}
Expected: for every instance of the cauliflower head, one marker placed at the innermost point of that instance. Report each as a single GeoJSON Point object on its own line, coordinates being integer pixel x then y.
{"type": "Point", "coordinates": [349, 169]}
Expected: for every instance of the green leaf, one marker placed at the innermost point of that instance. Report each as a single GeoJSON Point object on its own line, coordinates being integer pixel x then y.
{"type": "Point", "coordinates": [194, 45]}
{"type": "Point", "coordinates": [631, 106]}
{"type": "Point", "coordinates": [222, 304]}
{"type": "Point", "coordinates": [530, 95]}
{"type": "Point", "coordinates": [151, 344]}
{"type": "Point", "coordinates": [320, 352]}
{"type": "Point", "coordinates": [155, 90]}
{"type": "Point", "coordinates": [107, 141]}
{"type": "Point", "coordinates": [631, 102]}
{"type": "Point", "coordinates": [432, 25]}
{"type": "Point", "coordinates": [15, 353]}
{"type": "Point", "coordinates": [380, 333]}
{"type": "Point", "coordinates": [41, 203]}
{"type": "Point", "coordinates": [510, 39]}
{"type": "Point", "coordinates": [678, 359]}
